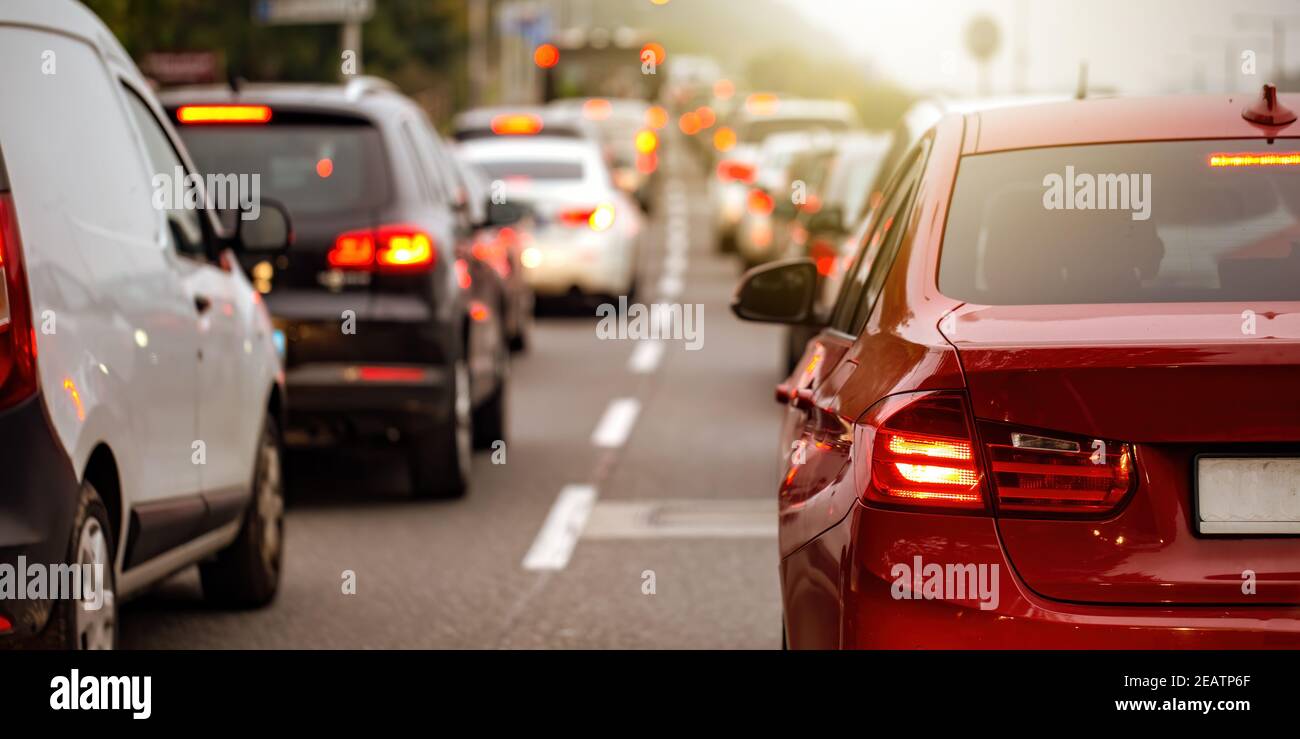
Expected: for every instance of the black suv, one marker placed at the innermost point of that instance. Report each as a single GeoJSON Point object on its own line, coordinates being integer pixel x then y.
{"type": "Point", "coordinates": [391, 328]}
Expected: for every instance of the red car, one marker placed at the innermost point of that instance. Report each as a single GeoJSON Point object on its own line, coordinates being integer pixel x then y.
{"type": "Point", "coordinates": [1057, 402]}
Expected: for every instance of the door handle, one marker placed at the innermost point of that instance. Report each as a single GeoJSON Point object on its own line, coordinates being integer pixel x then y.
{"type": "Point", "coordinates": [202, 303]}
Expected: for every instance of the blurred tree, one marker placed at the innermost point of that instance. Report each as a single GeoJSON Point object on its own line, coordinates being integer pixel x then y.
{"type": "Point", "coordinates": [418, 44]}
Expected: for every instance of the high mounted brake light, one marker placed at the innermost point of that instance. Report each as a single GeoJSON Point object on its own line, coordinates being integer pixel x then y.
{"type": "Point", "coordinates": [1260, 159]}
{"type": "Point", "coordinates": [200, 114]}
{"type": "Point", "coordinates": [517, 125]}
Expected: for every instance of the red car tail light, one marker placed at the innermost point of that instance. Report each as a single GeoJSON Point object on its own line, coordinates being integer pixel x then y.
{"type": "Point", "coordinates": [760, 203]}
{"type": "Point", "coordinates": [823, 253]}
{"type": "Point", "coordinates": [922, 456]}
{"type": "Point", "coordinates": [353, 250]}
{"type": "Point", "coordinates": [17, 334]}
{"type": "Point", "coordinates": [730, 170]}
{"type": "Point", "coordinates": [394, 248]}
{"type": "Point", "coordinates": [1035, 472]}
{"type": "Point", "coordinates": [598, 218]}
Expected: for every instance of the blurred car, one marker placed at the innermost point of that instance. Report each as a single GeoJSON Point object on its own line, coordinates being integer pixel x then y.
{"type": "Point", "coordinates": [1083, 417]}
{"type": "Point", "coordinates": [587, 232]}
{"type": "Point", "coordinates": [394, 333]}
{"type": "Point", "coordinates": [499, 241]}
{"type": "Point", "coordinates": [521, 120]}
{"type": "Point", "coordinates": [140, 389]}
{"type": "Point", "coordinates": [631, 147]}
{"type": "Point", "coordinates": [762, 115]}
{"type": "Point", "coordinates": [824, 229]}
{"type": "Point", "coordinates": [763, 224]}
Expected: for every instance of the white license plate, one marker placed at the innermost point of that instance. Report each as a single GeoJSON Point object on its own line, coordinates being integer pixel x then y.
{"type": "Point", "coordinates": [1248, 495]}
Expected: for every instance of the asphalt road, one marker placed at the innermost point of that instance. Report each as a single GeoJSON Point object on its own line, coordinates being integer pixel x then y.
{"type": "Point", "coordinates": [559, 546]}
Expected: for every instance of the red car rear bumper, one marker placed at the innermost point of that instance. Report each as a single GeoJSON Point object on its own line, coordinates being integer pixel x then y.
{"type": "Point", "coordinates": [852, 587]}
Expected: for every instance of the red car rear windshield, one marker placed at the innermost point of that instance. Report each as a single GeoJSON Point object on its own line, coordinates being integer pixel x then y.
{"type": "Point", "coordinates": [1154, 222]}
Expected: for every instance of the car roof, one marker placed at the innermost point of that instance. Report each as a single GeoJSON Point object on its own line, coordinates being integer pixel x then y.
{"type": "Point", "coordinates": [1113, 120]}
{"type": "Point", "coordinates": [799, 108]}
{"type": "Point", "coordinates": [477, 122]}
{"type": "Point", "coordinates": [363, 94]}
{"type": "Point", "coordinates": [527, 148]}
{"type": "Point", "coordinates": [68, 18]}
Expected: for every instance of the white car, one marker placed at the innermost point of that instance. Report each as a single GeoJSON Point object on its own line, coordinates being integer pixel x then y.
{"type": "Point", "coordinates": [587, 230]}
{"type": "Point", "coordinates": [763, 115]}
{"type": "Point", "coordinates": [140, 386]}
{"type": "Point", "coordinates": [757, 240]}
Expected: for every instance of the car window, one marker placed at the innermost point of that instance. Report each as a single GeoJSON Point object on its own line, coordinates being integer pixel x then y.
{"type": "Point", "coordinates": [1146, 222]}
{"type": "Point", "coordinates": [185, 225]}
{"type": "Point", "coordinates": [876, 254]}
{"type": "Point", "coordinates": [424, 166]}
{"type": "Point", "coordinates": [313, 164]}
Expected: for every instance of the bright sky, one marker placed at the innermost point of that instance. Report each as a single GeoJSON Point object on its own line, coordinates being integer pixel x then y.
{"type": "Point", "coordinates": [1132, 46]}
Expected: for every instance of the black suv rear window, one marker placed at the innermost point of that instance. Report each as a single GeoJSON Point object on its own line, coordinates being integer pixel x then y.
{"type": "Point", "coordinates": [1153, 222]}
{"type": "Point", "coordinates": [312, 168]}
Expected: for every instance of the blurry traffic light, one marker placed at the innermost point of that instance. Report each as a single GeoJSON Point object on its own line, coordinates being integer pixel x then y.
{"type": "Point", "coordinates": [546, 56]}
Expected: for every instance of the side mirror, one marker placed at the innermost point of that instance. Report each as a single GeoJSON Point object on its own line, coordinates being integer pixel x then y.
{"type": "Point", "coordinates": [778, 292]}
{"type": "Point", "coordinates": [830, 219]}
{"type": "Point", "coordinates": [269, 233]}
{"type": "Point", "coordinates": [504, 214]}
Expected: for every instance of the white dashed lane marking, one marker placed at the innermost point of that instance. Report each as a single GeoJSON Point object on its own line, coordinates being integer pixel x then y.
{"type": "Point", "coordinates": [564, 524]}
{"type": "Point", "coordinates": [616, 425]}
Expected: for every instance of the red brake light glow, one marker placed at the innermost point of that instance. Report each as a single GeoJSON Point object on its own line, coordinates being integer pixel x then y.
{"type": "Point", "coordinates": [760, 203]}
{"type": "Point", "coordinates": [516, 125]}
{"type": "Point", "coordinates": [922, 456]}
{"type": "Point", "coordinates": [597, 109]}
{"type": "Point", "coordinates": [823, 253]}
{"type": "Point", "coordinates": [393, 248]}
{"type": "Point", "coordinates": [17, 333]}
{"type": "Point", "coordinates": [1263, 159]}
{"type": "Point", "coordinates": [200, 114]}
{"type": "Point", "coordinates": [354, 249]}
{"type": "Point", "coordinates": [730, 170]}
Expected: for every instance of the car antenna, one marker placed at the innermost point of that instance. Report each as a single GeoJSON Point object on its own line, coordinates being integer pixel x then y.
{"type": "Point", "coordinates": [1267, 111]}
{"type": "Point", "coordinates": [235, 82]}
{"type": "Point", "coordinates": [1081, 91]}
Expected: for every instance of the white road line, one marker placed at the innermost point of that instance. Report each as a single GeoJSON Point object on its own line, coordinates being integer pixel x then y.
{"type": "Point", "coordinates": [616, 424]}
{"type": "Point", "coordinates": [670, 286]}
{"type": "Point", "coordinates": [645, 358]}
{"type": "Point", "coordinates": [564, 524]}
{"type": "Point", "coordinates": [675, 263]}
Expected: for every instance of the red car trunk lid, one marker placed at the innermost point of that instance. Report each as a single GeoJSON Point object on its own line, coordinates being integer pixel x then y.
{"type": "Point", "coordinates": [1176, 380]}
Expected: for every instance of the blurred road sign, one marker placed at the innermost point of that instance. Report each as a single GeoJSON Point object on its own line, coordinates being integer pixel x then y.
{"type": "Point", "coordinates": [529, 21]}
{"type": "Point", "coordinates": [982, 37]}
{"type": "Point", "coordinates": [182, 67]}
{"type": "Point", "coordinates": [285, 12]}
